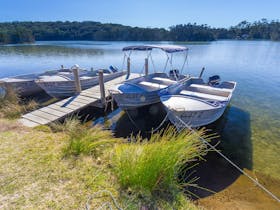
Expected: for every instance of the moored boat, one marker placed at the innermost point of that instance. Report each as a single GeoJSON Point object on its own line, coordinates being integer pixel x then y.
{"type": "Point", "coordinates": [196, 103]}
{"type": "Point", "coordinates": [25, 85]}
{"type": "Point", "coordinates": [144, 90]}
{"type": "Point", "coordinates": [62, 86]}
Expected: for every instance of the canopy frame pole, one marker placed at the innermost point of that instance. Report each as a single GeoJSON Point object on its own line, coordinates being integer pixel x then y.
{"type": "Point", "coordinates": [124, 59]}
{"type": "Point", "coordinates": [165, 66]}
{"type": "Point", "coordinates": [185, 60]}
{"type": "Point", "coordinates": [128, 67]}
{"type": "Point", "coordinates": [152, 60]}
{"type": "Point", "coordinates": [172, 68]}
{"type": "Point", "coordinates": [171, 61]}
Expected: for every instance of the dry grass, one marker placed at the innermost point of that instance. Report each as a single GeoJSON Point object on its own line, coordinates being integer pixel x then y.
{"type": "Point", "coordinates": [34, 174]}
{"type": "Point", "coordinates": [10, 125]}
{"type": "Point", "coordinates": [11, 106]}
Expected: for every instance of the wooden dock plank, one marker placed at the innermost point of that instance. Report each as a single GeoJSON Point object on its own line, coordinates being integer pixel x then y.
{"type": "Point", "coordinates": [47, 116]}
{"type": "Point", "coordinates": [61, 109]}
{"type": "Point", "coordinates": [67, 104]}
{"type": "Point", "coordinates": [84, 101]}
{"type": "Point", "coordinates": [28, 123]}
{"type": "Point", "coordinates": [70, 105]}
{"type": "Point", "coordinates": [84, 97]}
{"type": "Point", "coordinates": [36, 119]}
{"type": "Point", "coordinates": [52, 111]}
{"type": "Point", "coordinates": [93, 97]}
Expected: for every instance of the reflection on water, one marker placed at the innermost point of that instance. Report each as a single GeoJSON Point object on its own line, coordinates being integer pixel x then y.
{"type": "Point", "coordinates": [143, 120]}
{"type": "Point", "coordinates": [234, 130]}
{"type": "Point", "coordinates": [249, 129]}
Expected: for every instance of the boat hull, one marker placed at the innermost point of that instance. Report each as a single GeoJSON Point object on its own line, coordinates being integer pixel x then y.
{"type": "Point", "coordinates": [24, 88]}
{"type": "Point", "coordinates": [136, 100]}
{"type": "Point", "coordinates": [194, 118]}
{"type": "Point", "coordinates": [25, 85]}
{"type": "Point", "coordinates": [141, 91]}
{"type": "Point", "coordinates": [194, 113]}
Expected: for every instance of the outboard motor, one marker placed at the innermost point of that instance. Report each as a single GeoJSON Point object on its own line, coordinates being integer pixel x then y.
{"type": "Point", "coordinates": [174, 74]}
{"type": "Point", "coordinates": [214, 80]}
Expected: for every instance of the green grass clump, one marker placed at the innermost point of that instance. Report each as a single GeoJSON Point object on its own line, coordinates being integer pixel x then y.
{"type": "Point", "coordinates": [152, 167]}
{"type": "Point", "coordinates": [85, 140]}
{"type": "Point", "coordinates": [11, 106]}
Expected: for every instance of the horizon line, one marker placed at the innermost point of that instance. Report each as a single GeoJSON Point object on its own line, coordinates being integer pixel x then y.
{"type": "Point", "coordinates": [151, 27]}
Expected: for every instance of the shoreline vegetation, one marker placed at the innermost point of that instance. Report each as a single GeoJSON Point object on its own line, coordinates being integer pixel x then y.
{"type": "Point", "coordinates": [72, 165]}
{"type": "Point", "coordinates": [29, 32]}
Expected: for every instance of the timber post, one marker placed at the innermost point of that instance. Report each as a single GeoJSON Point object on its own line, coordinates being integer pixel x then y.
{"type": "Point", "coordinates": [146, 66]}
{"type": "Point", "coordinates": [128, 66]}
{"type": "Point", "coordinates": [75, 69]}
{"type": "Point", "coordinates": [102, 87]}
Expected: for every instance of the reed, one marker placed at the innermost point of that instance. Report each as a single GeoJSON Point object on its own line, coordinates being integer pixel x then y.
{"type": "Point", "coordinates": [153, 167]}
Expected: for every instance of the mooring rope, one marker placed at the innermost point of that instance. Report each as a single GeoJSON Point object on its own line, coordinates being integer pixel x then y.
{"type": "Point", "coordinates": [213, 148]}
{"type": "Point", "coordinates": [227, 159]}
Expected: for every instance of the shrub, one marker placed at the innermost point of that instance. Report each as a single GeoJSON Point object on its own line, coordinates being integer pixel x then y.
{"type": "Point", "coordinates": [154, 166]}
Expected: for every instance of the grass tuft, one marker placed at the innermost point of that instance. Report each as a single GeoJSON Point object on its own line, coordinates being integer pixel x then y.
{"type": "Point", "coordinates": [84, 140]}
{"type": "Point", "coordinates": [11, 105]}
{"type": "Point", "coordinates": [70, 125]}
{"type": "Point", "coordinates": [153, 167]}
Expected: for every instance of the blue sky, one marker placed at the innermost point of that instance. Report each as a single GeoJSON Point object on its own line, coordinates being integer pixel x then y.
{"type": "Point", "coordinates": [144, 13]}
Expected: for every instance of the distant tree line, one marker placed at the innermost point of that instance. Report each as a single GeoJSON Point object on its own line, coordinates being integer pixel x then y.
{"type": "Point", "coordinates": [26, 32]}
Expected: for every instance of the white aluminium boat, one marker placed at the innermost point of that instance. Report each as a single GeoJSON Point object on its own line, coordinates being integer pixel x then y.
{"type": "Point", "coordinates": [144, 90]}
{"type": "Point", "coordinates": [63, 85]}
{"type": "Point", "coordinates": [196, 103]}
{"type": "Point", "coordinates": [25, 84]}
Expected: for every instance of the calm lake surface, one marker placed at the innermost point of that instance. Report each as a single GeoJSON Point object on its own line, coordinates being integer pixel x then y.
{"type": "Point", "coordinates": [250, 128]}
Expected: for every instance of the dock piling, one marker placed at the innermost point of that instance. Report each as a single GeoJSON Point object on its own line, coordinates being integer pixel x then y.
{"type": "Point", "coordinates": [75, 69]}
{"type": "Point", "coordinates": [146, 66]}
{"type": "Point", "coordinates": [102, 87]}
{"type": "Point", "coordinates": [128, 66]}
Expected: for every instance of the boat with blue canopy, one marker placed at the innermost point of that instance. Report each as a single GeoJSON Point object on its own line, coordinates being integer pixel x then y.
{"type": "Point", "coordinates": [144, 90]}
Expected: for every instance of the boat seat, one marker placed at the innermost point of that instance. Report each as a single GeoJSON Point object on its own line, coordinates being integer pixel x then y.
{"type": "Point", "coordinates": [164, 80]}
{"type": "Point", "coordinates": [203, 95]}
{"type": "Point", "coordinates": [210, 88]}
{"type": "Point", "coordinates": [153, 85]}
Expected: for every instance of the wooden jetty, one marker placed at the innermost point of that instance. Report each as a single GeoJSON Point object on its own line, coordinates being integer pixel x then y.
{"type": "Point", "coordinates": [94, 96]}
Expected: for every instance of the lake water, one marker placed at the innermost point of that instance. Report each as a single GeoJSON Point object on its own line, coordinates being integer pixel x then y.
{"type": "Point", "coordinates": [250, 128]}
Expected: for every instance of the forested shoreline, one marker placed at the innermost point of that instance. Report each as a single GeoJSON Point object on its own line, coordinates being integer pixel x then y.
{"type": "Point", "coordinates": [28, 32]}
